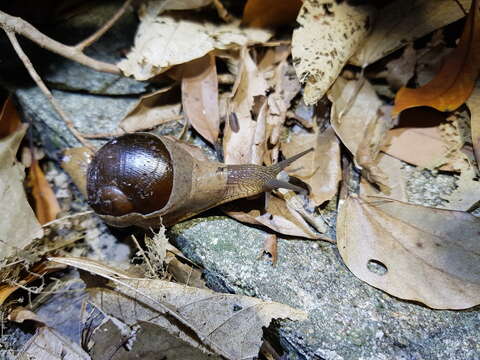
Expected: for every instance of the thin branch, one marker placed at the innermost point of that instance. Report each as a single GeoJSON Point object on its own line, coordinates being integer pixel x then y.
{"type": "Point", "coordinates": [99, 33]}
{"type": "Point", "coordinates": [26, 61]}
{"type": "Point", "coordinates": [17, 25]}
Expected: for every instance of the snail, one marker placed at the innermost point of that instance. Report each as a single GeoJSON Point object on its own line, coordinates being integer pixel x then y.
{"type": "Point", "coordinates": [137, 178]}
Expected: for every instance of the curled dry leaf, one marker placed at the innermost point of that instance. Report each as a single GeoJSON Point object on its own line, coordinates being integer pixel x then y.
{"type": "Point", "coordinates": [20, 314]}
{"type": "Point", "coordinates": [46, 203]}
{"type": "Point", "coordinates": [329, 34]}
{"type": "Point", "coordinates": [9, 118]}
{"type": "Point", "coordinates": [395, 180]}
{"type": "Point", "coordinates": [402, 21]}
{"type": "Point", "coordinates": [360, 121]}
{"type": "Point", "coordinates": [250, 85]}
{"type": "Point", "coordinates": [321, 168]}
{"type": "Point", "coordinates": [412, 252]}
{"type": "Point", "coordinates": [163, 41]}
{"type": "Point", "coordinates": [152, 110]}
{"type": "Point", "coordinates": [270, 13]}
{"type": "Point", "coordinates": [200, 96]}
{"type": "Point", "coordinates": [455, 81]}
{"type": "Point", "coordinates": [48, 344]}
{"type": "Point", "coordinates": [473, 104]}
{"type": "Point", "coordinates": [75, 162]}
{"type": "Point", "coordinates": [278, 216]}
{"type": "Point", "coordinates": [18, 225]}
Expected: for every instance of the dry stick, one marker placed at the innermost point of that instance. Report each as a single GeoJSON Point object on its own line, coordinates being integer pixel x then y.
{"type": "Point", "coordinates": [26, 61]}
{"type": "Point", "coordinates": [99, 33]}
{"type": "Point", "coordinates": [17, 25]}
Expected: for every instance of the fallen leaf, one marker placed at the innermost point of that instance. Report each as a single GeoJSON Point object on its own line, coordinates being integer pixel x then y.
{"type": "Point", "coordinates": [455, 81]}
{"type": "Point", "coordinates": [229, 324]}
{"type": "Point", "coordinates": [277, 216]}
{"type": "Point", "coordinates": [360, 121]}
{"type": "Point", "coordinates": [319, 169]}
{"type": "Point", "coordinates": [46, 203]}
{"type": "Point", "coordinates": [270, 13]}
{"type": "Point", "coordinates": [152, 110]}
{"type": "Point", "coordinates": [270, 248]}
{"type": "Point", "coordinates": [9, 118]}
{"type": "Point", "coordinates": [430, 58]}
{"type": "Point", "coordinates": [438, 145]}
{"type": "Point", "coordinates": [163, 41]}
{"type": "Point", "coordinates": [395, 180]}
{"type": "Point", "coordinates": [75, 162]}
{"type": "Point", "coordinates": [159, 6]}
{"type": "Point", "coordinates": [412, 252]}
{"type": "Point", "coordinates": [238, 146]}
{"type": "Point", "coordinates": [473, 104]}
{"type": "Point", "coordinates": [18, 225]}
{"type": "Point", "coordinates": [145, 341]}
{"type": "Point", "coordinates": [400, 22]}
{"type": "Point", "coordinates": [467, 194]}
{"type": "Point", "coordinates": [48, 344]}
{"type": "Point", "coordinates": [200, 96]}
{"type": "Point", "coordinates": [329, 34]}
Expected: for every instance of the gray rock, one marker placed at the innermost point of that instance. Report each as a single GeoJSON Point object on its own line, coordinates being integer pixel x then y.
{"type": "Point", "coordinates": [348, 319]}
{"type": "Point", "coordinates": [91, 114]}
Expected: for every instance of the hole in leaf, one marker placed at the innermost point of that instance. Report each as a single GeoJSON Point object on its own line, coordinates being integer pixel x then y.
{"type": "Point", "coordinates": [237, 308]}
{"type": "Point", "coordinates": [377, 267]}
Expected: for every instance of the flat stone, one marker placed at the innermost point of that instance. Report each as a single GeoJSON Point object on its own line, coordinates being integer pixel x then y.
{"type": "Point", "coordinates": [348, 319]}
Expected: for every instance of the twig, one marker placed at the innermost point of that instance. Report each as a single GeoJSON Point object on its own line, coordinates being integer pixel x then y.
{"type": "Point", "coordinates": [26, 61]}
{"type": "Point", "coordinates": [99, 33]}
{"type": "Point", "coordinates": [17, 25]}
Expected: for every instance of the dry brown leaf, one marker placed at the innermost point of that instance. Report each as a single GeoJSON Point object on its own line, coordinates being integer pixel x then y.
{"type": "Point", "coordinates": [270, 248]}
{"type": "Point", "coordinates": [238, 145]}
{"type": "Point", "coordinates": [231, 323]}
{"type": "Point", "coordinates": [48, 344]}
{"type": "Point", "coordinates": [46, 203]}
{"type": "Point", "coordinates": [429, 255]}
{"type": "Point", "coordinates": [146, 342]}
{"type": "Point", "coordinates": [473, 104]}
{"type": "Point", "coordinates": [437, 145]}
{"type": "Point", "coordinates": [320, 169]}
{"type": "Point", "coordinates": [277, 216]}
{"type": "Point", "coordinates": [75, 162]}
{"type": "Point", "coordinates": [395, 179]}
{"type": "Point", "coordinates": [467, 194]}
{"type": "Point", "coordinates": [360, 121]}
{"type": "Point", "coordinates": [403, 21]}
{"type": "Point", "coordinates": [216, 318]}
{"type": "Point", "coordinates": [329, 34]}
{"type": "Point", "coordinates": [152, 110]}
{"type": "Point", "coordinates": [455, 81]}
{"type": "Point", "coordinates": [401, 70]}
{"type": "Point", "coordinates": [163, 41]}
{"type": "Point", "coordinates": [270, 13]}
{"type": "Point", "coordinates": [9, 118]}
{"type": "Point", "coordinates": [18, 225]}
{"type": "Point", "coordinates": [200, 96]}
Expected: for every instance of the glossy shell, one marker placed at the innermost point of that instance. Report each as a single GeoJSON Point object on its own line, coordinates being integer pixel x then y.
{"type": "Point", "coordinates": [132, 173]}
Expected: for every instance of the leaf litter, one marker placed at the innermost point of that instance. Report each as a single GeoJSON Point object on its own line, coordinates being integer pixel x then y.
{"type": "Point", "coordinates": [260, 96]}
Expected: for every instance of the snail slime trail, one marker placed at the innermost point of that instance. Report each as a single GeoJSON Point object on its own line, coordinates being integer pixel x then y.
{"type": "Point", "coordinates": [137, 178]}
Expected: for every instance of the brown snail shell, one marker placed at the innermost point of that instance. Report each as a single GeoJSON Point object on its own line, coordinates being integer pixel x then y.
{"type": "Point", "coordinates": [138, 178]}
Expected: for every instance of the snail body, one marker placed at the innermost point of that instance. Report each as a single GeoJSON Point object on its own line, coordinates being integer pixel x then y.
{"type": "Point", "coordinates": [137, 178]}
